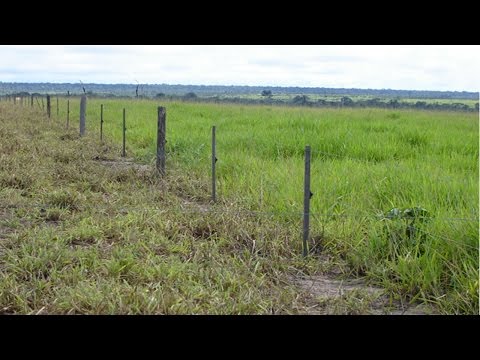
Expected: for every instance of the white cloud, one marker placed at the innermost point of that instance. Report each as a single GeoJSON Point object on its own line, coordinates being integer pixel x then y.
{"type": "Point", "coordinates": [417, 67]}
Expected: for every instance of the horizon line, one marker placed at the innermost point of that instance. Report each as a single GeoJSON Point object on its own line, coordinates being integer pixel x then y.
{"type": "Point", "coordinates": [223, 85]}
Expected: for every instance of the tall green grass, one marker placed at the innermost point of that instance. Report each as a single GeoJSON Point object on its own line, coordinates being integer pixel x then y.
{"type": "Point", "coordinates": [364, 163]}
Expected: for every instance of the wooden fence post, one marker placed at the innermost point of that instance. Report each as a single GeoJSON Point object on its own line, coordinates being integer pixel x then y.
{"type": "Point", "coordinates": [48, 106]}
{"type": "Point", "coordinates": [83, 110]}
{"type": "Point", "coordinates": [68, 112]}
{"type": "Point", "coordinates": [161, 130]}
{"type": "Point", "coordinates": [124, 154]}
{"type": "Point", "coordinates": [101, 122]}
{"type": "Point", "coordinates": [214, 160]}
{"type": "Point", "coordinates": [306, 201]}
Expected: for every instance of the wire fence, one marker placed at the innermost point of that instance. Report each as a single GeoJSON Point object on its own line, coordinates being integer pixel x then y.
{"type": "Point", "coordinates": [210, 208]}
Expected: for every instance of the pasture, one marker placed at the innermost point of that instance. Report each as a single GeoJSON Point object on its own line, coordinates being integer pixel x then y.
{"type": "Point", "coordinates": [365, 162]}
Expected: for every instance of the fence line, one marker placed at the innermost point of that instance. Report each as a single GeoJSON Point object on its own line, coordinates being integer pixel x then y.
{"type": "Point", "coordinates": [161, 167]}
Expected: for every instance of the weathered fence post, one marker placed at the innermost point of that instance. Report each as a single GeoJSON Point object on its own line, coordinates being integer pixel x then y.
{"type": "Point", "coordinates": [161, 129]}
{"type": "Point", "coordinates": [48, 106]}
{"type": "Point", "coordinates": [14, 100]}
{"type": "Point", "coordinates": [306, 201]}
{"type": "Point", "coordinates": [68, 112]}
{"type": "Point", "coordinates": [83, 110]}
{"type": "Point", "coordinates": [214, 160]}
{"type": "Point", "coordinates": [101, 122]}
{"type": "Point", "coordinates": [124, 154]}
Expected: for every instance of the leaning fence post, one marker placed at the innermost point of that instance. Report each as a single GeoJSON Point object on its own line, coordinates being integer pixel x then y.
{"type": "Point", "coordinates": [306, 201]}
{"type": "Point", "coordinates": [83, 109]}
{"type": "Point", "coordinates": [101, 122]}
{"type": "Point", "coordinates": [48, 106]}
{"type": "Point", "coordinates": [124, 130]}
{"type": "Point", "coordinates": [214, 160]}
{"type": "Point", "coordinates": [161, 129]}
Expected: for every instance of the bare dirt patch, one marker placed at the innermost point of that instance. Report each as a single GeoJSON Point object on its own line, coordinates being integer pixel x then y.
{"type": "Point", "coordinates": [330, 295]}
{"type": "Point", "coordinates": [122, 164]}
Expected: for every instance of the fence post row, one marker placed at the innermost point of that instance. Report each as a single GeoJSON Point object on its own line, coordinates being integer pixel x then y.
{"type": "Point", "coordinates": [160, 163]}
{"type": "Point", "coordinates": [307, 194]}
{"type": "Point", "coordinates": [214, 160]}
{"type": "Point", "coordinates": [83, 109]}
{"type": "Point", "coordinates": [161, 129]}
{"type": "Point", "coordinates": [124, 130]}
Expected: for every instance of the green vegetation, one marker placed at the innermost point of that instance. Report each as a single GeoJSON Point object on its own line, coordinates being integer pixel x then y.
{"type": "Point", "coordinates": [365, 163]}
{"type": "Point", "coordinates": [79, 236]}
{"type": "Point", "coordinates": [272, 95]}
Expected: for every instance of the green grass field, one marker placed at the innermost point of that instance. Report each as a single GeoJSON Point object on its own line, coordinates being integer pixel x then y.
{"type": "Point", "coordinates": [364, 163]}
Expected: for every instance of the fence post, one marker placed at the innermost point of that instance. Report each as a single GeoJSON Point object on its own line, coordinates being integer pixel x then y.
{"type": "Point", "coordinates": [14, 100]}
{"type": "Point", "coordinates": [306, 201]}
{"type": "Point", "coordinates": [83, 110]}
{"type": "Point", "coordinates": [68, 112]}
{"type": "Point", "coordinates": [57, 106]}
{"type": "Point", "coordinates": [101, 122]}
{"type": "Point", "coordinates": [48, 106]}
{"type": "Point", "coordinates": [161, 130]}
{"type": "Point", "coordinates": [214, 160]}
{"type": "Point", "coordinates": [31, 100]}
{"type": "Point", "coordinates": [124, 154]}
{"type": "Point", "coordinates": [43, 105]}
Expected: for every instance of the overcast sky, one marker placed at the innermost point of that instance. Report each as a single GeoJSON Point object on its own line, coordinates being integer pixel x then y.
{"type": "Point", "coordinates": [419, 67]}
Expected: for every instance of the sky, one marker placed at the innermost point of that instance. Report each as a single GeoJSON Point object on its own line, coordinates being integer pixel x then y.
{"type": "Point", "coordinates": [400, 67]}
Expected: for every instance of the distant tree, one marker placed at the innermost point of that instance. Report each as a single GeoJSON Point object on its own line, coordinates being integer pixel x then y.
{"type": "Point", "coordinates": [267, 93]}
{"type": "Point", "coordinates": [160, 95]}
{"type": "Point", "coordinates": [301, 100]}
{"type": "Point", "coordinates": [346, 101]}
{"type": "Point", "coordinates": [420, 104]}
{"type": "Point", "coordinates": [393, 103]}
{"type": "Point", "coordinates": [190, 96]}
